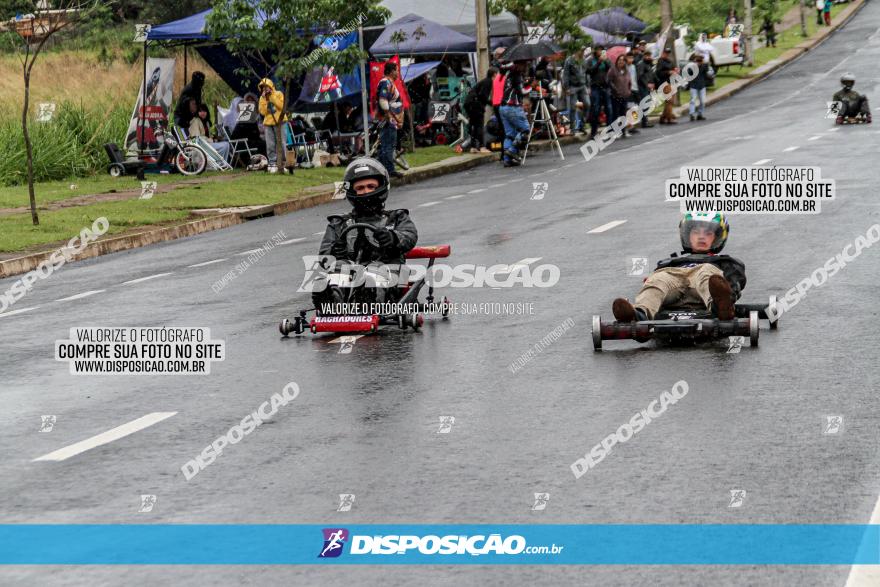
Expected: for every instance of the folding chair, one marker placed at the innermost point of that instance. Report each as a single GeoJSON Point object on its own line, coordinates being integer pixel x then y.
{"type": "Point", "coordinates": [236, 146]}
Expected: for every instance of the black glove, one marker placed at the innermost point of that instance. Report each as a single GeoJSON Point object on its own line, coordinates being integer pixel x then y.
{"type": "Point", "coordinates": [384, 237]}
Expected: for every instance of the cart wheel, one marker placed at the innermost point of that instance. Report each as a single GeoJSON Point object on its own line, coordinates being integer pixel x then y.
{"type": "Point", "coordinates": [416, 321]}
{"type": "Point", "coordinates": [753, 328]}
{"type": "Point", "coordinates": [299, 325]}
{"type": "Point", "coordinates": [444, 303]}
{"type": "Point", "coordinates": [774, 303]}
{"type": "Point", "coordinates": [285, 327]}
{"type": "Point", "coordinates": [597, 333]}
{"type": "Point", "coordinates": [116, 170]}
{"type": "Point", "coordinates": [191, 160]}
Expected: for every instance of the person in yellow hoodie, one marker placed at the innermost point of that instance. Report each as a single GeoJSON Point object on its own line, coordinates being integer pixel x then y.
{"type": "Point", "coordinates": [271, 108]}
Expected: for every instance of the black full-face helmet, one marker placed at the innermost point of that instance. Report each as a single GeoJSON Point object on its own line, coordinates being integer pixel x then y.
{"type": "Point", "coordinates": [366, 168]}
{"type": "Point", "coordinates": [848, 80]}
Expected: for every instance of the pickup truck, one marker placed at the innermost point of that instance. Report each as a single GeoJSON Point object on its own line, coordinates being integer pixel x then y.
{"type": "Point", "coordinates": [728, 50]}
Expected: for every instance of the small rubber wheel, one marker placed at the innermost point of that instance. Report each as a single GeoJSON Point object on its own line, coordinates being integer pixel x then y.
{"type": "Point", "coordinates": [597, 333]}
{"type": "Point", "coordinates": [774, 303]}
{"type": "Point", "coordinates": [299, 325]}
{"type": "Point", "coordinates": [753, 328]}
{"type": "Point", "coordinates": [285, 327]}
{"type": "Point", "coordinates": [416, 321]}
{"type": "Point", "coordinates": [116, 170]}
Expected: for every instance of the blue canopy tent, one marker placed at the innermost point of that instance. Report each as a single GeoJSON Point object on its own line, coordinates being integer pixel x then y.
{"type": "Point", "coordinates": [421, 37]}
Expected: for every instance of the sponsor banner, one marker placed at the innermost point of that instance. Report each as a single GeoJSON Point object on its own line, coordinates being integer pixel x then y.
{"type": "Point", "coordinates": [150, 125]}
{"type": "Point", "coordinates": [279, 544]}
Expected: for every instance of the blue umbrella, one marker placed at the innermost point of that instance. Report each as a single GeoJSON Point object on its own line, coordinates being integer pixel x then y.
{"type": "Point", "coordinates": [613, 20]}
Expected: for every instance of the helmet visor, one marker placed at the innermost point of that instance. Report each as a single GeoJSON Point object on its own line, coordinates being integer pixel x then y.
{"type": "Point", "coordinates": [699, 236]}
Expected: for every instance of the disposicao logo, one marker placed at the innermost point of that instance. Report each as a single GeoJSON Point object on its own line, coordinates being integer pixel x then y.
{"type": "Point", "coordinates": [334, 540]}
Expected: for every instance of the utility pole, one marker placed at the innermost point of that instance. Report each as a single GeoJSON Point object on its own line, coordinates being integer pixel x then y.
{"type": "Point", "coordinates": [747, 33]}
{"type": "Point", "coordinates": [365, 87]}
{"type": "Point", "coordinates": [666, 24]}
{"type": "Point", "coordinates": [482, 14]}
{"type": "Point", "coordinates": [803, 18]}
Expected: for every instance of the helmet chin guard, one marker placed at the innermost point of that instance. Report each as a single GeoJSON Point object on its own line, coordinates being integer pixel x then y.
{"type": "Point", "coordinates": [366, 168]}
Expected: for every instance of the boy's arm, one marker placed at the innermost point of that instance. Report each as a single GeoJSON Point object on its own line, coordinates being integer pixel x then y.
{"type": "Point", "coordinates": [405, 234]}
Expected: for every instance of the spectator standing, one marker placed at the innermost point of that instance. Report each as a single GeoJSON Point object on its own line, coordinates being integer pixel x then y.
{"type": "Point", "coordinates": [271, 109]}
{"type": "Point", "coordinates": [619, 83]}
{"type": "Point", "coordinates": [820, 6]}
{"type": "Point", "coordinates": [191, 91]}
{"type": "Point", "coordinates": [513, 116]}
{"type": "Point", "coordinates": [633, 87]}
{"type": "Point", "coordinates": [496, 58]}
{"type": "Point", "coordinates": [769, 32]}
{"type": "Point", "coordinates": [665, 68]}
{"type": "Point", "coordinates": [647, 80]}
{"type": "Point", "coordinates": [597, 67]}
{"type": "Point", "coordinates": [826, 12]}
{"type": "Point", "coordinates": [575, 82]}
{"type": "Point", "coordinates": [705, 48]}
{"type": "Point", "coordinates": [391, 116]}
{"type": "Point", "coordinates": [697, 88]}
{"type": "Point", "coordinates": [475, 104]}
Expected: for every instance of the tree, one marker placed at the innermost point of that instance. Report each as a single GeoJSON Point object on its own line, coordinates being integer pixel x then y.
{"type": "Point", "coordinates": [34, 31]}
{"type": "Point", "coordinates": [563, 15]}
{"type": "Point", "coordinates": [276, 36]}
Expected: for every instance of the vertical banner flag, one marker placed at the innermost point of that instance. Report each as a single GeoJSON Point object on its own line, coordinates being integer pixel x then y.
{"type": "Point", "coordinates": [148, 123]}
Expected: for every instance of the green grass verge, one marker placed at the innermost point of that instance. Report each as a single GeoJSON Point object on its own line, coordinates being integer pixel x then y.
{"type": "Point", "coordinates": [17, 233]}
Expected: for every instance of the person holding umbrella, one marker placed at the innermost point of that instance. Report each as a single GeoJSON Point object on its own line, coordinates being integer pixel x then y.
{"type": "Point", "coordinates": [513, 116]}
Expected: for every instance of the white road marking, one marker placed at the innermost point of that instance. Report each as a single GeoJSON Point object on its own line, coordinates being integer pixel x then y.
{"type": "Point", "coordinates": [790, 149]}
{"type": "Point", "coordinates": [866, 575]}
{"type": "Point", "coordinates": [497, 185]}
{"type": "Point", "coordinates": [23, 310]}
{"type": "Point", "coordinates": [208, 262]}
{"type": "Point", "coordinates": [429, 204]}
{"type": "Point", "coordinates": [106, 437]}
{"type": "Point", "coordinates": [814, 138]}
{"type": "Point", "coordinates": [607, 226]}
{"type": "Point", "coordinates": [79, 296]}
{"type": "Point", "coordinates": [568, 165]}
{"type": "Point", "coordinates": [293, 240]}
{"type": "Point", "coordinates": [250, 252]}
{"type": "Point", "coordinates": [454, 197]}
{"type": "Point", "coordinates": [317, 234]}
{"type": "Point", "coordinates": [762, 161]}
{"type": "Point", "coordinates": [147, 278]}
{"type": "Point", "coordinates": [477, 191]}
{"type": "Point", "coordinates": [835, 129]}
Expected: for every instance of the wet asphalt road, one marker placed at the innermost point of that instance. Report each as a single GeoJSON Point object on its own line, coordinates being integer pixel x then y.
{"type": "Point", "coordinates": [366, 422]}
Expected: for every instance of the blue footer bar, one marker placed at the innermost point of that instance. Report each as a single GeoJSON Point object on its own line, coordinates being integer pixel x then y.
{"type": "Point", "coordinates": [267, 544]}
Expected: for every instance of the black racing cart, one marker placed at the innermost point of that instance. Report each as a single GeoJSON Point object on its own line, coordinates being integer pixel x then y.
{"type": "Point", "coordinates": [403, 294]}
{"type": "Point", "coordinates": [687, 325]}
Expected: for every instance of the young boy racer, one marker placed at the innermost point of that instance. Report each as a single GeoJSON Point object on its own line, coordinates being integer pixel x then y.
{"type": "Point", "coordinates": [367, 184]}
{"type": "Point", "coordinates": [699, 275]}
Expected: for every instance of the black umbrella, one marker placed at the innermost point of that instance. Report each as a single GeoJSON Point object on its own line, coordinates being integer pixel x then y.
{"type": "Point", "coordinates": [530, 51]}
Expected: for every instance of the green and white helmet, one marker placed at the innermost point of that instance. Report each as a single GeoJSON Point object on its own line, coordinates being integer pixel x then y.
{"type": "Point", "coordinates": [713, 220]}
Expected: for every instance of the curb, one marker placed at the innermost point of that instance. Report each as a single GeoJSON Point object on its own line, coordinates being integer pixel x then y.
{"type": "Point", "coordinates": [322, 195]}
{"type": "Point", "coordinates": [771, 66]}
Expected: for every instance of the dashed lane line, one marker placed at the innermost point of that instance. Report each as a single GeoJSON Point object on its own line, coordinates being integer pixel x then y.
{"type": "Point", "coordinates": [82, 295]}
{"type": "Point", "coordinates": [106, 437]}
{"type": "Point", "coordinates": [147, 278]}
{"type": "Point", "coordinates": [606, 227]}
